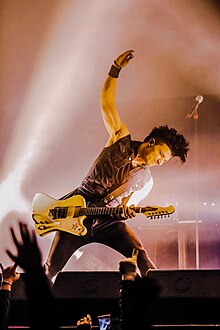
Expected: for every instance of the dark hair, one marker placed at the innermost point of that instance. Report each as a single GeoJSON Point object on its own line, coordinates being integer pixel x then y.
{"type": "Point", "coordinates": [177, 143]}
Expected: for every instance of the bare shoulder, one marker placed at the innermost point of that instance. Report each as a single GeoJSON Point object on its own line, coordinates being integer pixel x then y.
{"type": "Point", "coordinates": [122, 132]}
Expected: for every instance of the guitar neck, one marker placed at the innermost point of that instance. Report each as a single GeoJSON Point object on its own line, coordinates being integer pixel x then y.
{"type": "Point", "coordinates": [109, 210]}
{"type": "Point", "coordinates": [77, 211]}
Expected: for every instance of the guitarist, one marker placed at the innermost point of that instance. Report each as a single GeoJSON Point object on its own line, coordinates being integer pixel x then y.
{"type": "Point", "coordinates": [120, 160]}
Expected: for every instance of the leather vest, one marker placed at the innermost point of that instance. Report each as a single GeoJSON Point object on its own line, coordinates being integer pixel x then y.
{"type": "Point", "coordinates": [110, 170]}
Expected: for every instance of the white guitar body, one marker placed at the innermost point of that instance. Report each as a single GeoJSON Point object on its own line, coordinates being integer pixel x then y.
{"type": "Point", "coordinates": [44, 223]}
{"type": "Point", "coordinates": [50, 214]}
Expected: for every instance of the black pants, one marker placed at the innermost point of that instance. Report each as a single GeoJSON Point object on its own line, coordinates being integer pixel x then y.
{"type": "Point", "coordinates": [113, 233]}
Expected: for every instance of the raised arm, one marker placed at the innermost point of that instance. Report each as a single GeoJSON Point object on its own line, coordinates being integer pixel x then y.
{"type": "Point", "coordinates": [111, 118]}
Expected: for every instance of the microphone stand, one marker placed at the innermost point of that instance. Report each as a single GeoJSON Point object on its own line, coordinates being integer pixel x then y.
{"type": "Point", "coordinates": [196, 140]}
{"type": "Point", "coordinates": [194, 113]}
{"type": "Point", "coordinates": [181, 234]}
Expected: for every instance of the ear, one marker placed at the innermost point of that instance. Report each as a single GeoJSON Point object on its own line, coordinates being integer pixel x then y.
{"type": "Point", "coordinates": [151, 142]}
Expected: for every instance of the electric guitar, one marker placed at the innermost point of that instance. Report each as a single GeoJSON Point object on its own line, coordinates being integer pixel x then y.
{"type": "Point", "coordinates": [50, 214]}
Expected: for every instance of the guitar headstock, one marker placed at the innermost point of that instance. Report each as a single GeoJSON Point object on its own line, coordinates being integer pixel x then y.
{"type": "Point", "coordinates": [156, 212]}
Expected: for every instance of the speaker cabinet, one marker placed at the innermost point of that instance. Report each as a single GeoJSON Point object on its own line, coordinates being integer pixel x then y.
{"type": "Point", "coordinates": [87, 284]}
{"type": "Point", "coordinates": [193, 283]}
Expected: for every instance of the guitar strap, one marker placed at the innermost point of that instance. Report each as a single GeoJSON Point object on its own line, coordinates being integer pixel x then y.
{"type": "Point", "coordinates": [136, 174]}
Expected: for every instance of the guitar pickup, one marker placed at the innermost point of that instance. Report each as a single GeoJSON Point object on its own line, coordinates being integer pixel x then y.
{"type": "Point", "coordinates": [58, 212]}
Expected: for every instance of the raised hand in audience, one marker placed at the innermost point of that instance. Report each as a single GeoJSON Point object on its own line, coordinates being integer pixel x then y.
{"type": "Point", "coordinates": [128, 266]}
{"type": "Point", "coordinates": [8, 277]}
{"type": "Point", "coordinates": [38, 288]}
{"type": "Point", "coordinates": [28, 255]}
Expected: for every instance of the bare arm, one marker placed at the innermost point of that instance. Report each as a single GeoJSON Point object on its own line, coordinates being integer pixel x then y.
{"type": "Point", "coordinates": [112, 121]}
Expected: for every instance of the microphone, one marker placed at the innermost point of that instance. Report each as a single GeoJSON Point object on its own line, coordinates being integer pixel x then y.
{"type": "Point", "coordinates": [195, 106]}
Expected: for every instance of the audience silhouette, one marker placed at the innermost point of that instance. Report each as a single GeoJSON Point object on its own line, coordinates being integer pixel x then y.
{"type": "Point", "coordinates": [136, 297]}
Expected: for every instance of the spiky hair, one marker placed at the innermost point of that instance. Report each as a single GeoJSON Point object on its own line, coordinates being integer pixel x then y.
{"type": "Point", "coordinates": [177, 143]}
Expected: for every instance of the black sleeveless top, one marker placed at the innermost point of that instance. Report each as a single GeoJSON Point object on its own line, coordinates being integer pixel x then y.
{"type": "Point", "coordinates": [110, 170]}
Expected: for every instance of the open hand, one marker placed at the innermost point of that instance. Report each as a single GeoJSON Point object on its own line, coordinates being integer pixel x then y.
{"type": "Point", "coordinates": [28, 253]}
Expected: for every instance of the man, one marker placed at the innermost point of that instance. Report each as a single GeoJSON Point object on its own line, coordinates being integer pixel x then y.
{"type": "Point", "coordinates": [122, 161]}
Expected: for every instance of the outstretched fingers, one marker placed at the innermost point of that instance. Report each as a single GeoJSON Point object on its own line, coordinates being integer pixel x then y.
{"type": "Point", "coordinates": [24, 232]}
{"type": "Point", "coordinates": [14, 237]}
{"type": "Point", "coordinates": [12, 256]}
{"type": "Point", "coordinates": [34, 237]}
{"type": "Point", "coordinates": [28, 236]}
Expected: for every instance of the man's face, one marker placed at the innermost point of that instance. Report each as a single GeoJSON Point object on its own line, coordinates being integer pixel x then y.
{"type": "Point", "coordinates": [155, 154]}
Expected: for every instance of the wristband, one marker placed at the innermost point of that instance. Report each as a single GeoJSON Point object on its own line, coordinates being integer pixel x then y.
{"type": "Point", "coordinates": [114, 71]}
{"type": "Point", "coordinates": [6, 282]}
